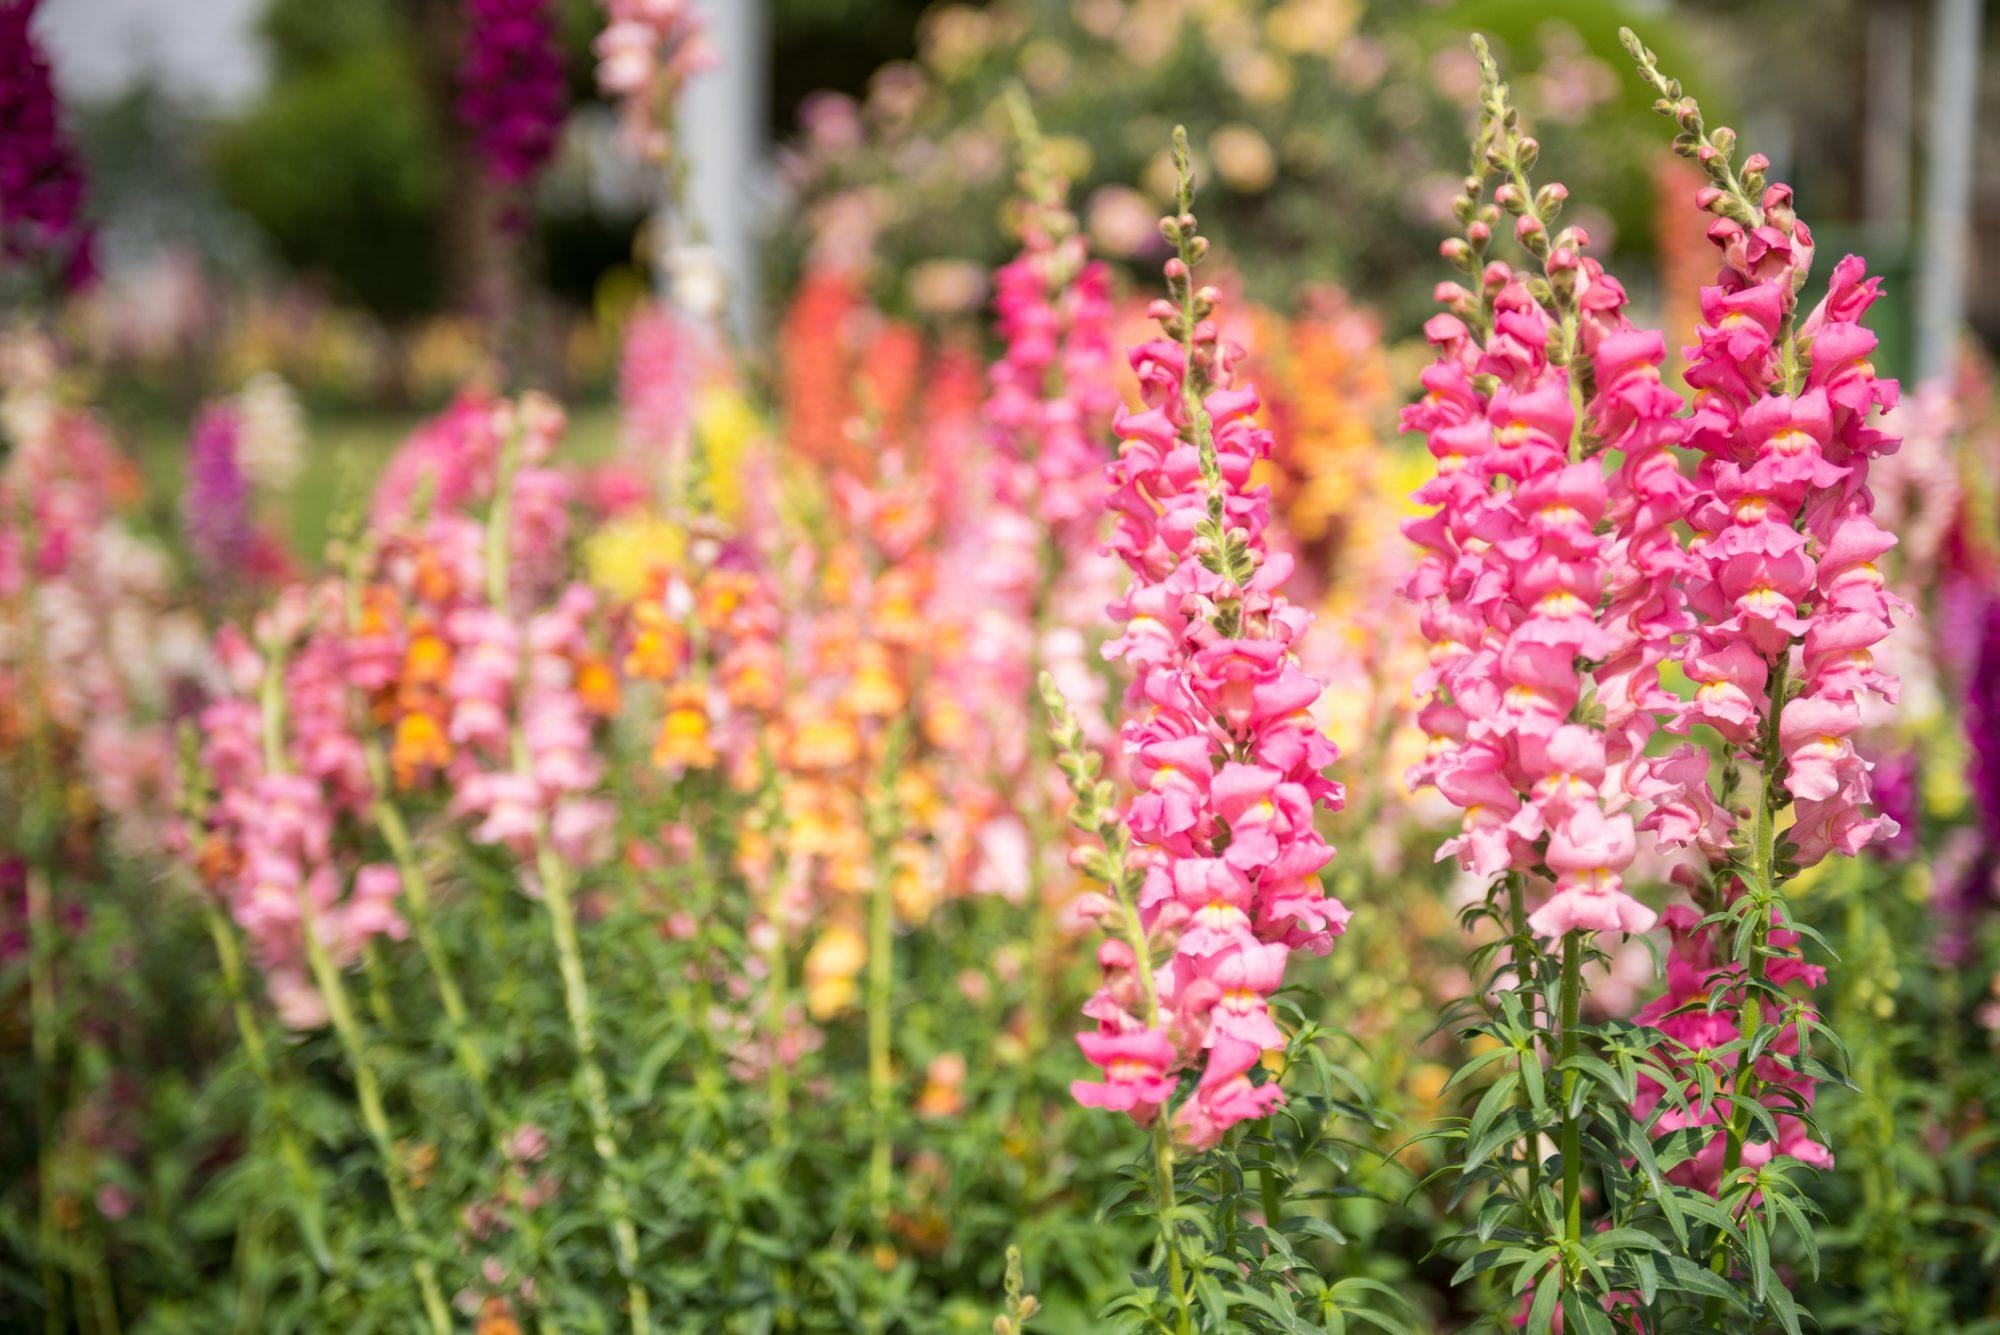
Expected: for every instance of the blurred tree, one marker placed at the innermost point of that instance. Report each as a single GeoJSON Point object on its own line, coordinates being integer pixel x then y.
{"type": "Point", "coordinates": [344, 163]}
{"type": "Point", "coordinates": [351, 162]}
{"type": "Point", "coordinates": [834, 44]}
{"type": "Point", "coordinates": [1335, 130]}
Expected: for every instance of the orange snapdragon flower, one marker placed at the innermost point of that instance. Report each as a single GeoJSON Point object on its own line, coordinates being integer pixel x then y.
{"type": "Point", "coordinates": [684, 741]}
{"type": "Point", "coordinates": [420, 747]}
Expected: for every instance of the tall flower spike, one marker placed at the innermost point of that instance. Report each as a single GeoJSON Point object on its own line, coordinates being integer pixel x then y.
{"type": "Point", "coordinates": [511, 86]}
{"type": "Point", "coordinates": [41, 173]}
{"type": "Point", "coordinates": [1217, 734]}
{"type": "Point", "coordinates": [1524, 585]}
{"type": "Point", "coordinates": [1788, 606]}
{"type": "Point", "coordinates": [647, 51]}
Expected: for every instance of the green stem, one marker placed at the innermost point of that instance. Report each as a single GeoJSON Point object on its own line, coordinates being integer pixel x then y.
{"type": "Point", "coordinates": [1163, 1186]}
{"type": "Point", "coordinates": [376, 973]}
{"type": "Point", "coordinates": [562, 924]}
{"type": "Point", "coordinates": [103, 1293]}
{"type": "Point", "coordinates": [883, 827]}
{"type": "Point", "coordinates": [1522, 955]}
{"type": "Point", "coordinates": [333, 990]}
{"type": "Point", "coordinates": [1764, 894]}
{"type": "Point", "coordinates": [44, 1020]}
{"type": "Point", "coordinates": [1271, 1185]}
{"type": "Point", "coordinates": [304, 1180]}
{"type": "Point", "coordinates": [777, 965]}
{"type": "Point", "coordinates": [417, 898]}
{"type": "Point", "coordinates": [881, 987]}
{"type": "Point", "coordinates": [1572, 1121]}
{"type": "Point", "coordinates": [499, 522]}
{"type": "Point", "coordinates": [253, 1292]}
{"type": "Point", "coordinates": [596, 1094]}
{"type": "Point", "coordinates": [368, 1090]}
{"type": "Point", "coordinates": [1763, 891]}
{"type": "Point", "coordinates": [1163, 1145]}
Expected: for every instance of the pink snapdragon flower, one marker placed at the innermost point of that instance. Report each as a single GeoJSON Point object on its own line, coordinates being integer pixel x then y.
{"type": "Point", "coordinates": [1137, 1066]}
{"type": "Point", "coordinates": [646, 52]}
{"type": "Point", "coordinates": [1782, 570]}
{"type": "Point", "coordinates": [1218, 733]}
{"type": "Point", "coordinates": [270, 848]}
{"type": "Point", "coordinates": [92, 644]}
{"type": "Point", "coordinates": [1684, 1013]}
{"type": "Point", "coordinates": [1784, 588]}
{"type": "Point", "coordinates": [1536, 563]}
{"type": "Point", "coordinates": [216, 501]}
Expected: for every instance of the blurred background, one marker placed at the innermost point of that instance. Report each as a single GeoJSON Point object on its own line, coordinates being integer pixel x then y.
{"type": "Point", "coordinates": [294, 212]}
{"type": "Point", "coordinates": [281, 185]}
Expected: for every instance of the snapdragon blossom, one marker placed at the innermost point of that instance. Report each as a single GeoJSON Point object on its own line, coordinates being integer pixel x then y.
{"type": "Point", "coordinates": [1789, 605]}
{"type": "Point", "coordinates": [217, 499]}
{"type": "Point", "coordinates": [41, 173]}
{"type": "Point", "coordinates": [1052, 386]}
{"type": "Point", "coordinates": [646, 52]}
{"type": "Point", "coordinates": [1027, 568]}
{"type": "Point", "coordinates": [286, 783]}
{"type": "Point", "coordinates": [511, 87]}
{"type": "Point", "coordinates": [92, 647]}
{"type": "Point", "coordinates": [1218, 737]}
{"type": "Point", "coordinates": [1535, 565]}
{"type": "Point", "coordinates": [1783, 574]}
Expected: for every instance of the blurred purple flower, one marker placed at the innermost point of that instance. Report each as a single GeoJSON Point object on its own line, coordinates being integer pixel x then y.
{"type": "Point", "coordinates": [1898, 796]}
{"type": "Point", "coordinates": [1966, 871]}
{"type": "Point", "coordinates": [1982, 719]}
{"type": "Point", "coordinates": [217, 502]}
{"type": "Point", "coordinates": [511, 91]}
{"type": "Point", "coordinates": [41, 177]}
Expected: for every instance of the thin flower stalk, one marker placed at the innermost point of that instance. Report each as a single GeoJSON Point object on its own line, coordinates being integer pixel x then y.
{"type": "Point", "coordinates": [554, 877]}
{"type": "Point", "coordinates": [395, 831]}
{"type": "Point", "coordinates": [884, 826]}
{"type": "Point", "coordinates": [327, 978]}
{"type": "Point", "coordinates": [1109, 863]}
{"type": "Point", "coordinates": [1048, 402]}
{"type": "Point", "coordinates": [1792, 605]}
{"type": "Point", "coordinates": [1217, 732]}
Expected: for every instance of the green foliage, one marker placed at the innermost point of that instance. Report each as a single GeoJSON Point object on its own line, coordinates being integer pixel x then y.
{"type": "Point", "coordinates": [1355, 112]}
{"type": "Point", "coordinates": [344, 163]}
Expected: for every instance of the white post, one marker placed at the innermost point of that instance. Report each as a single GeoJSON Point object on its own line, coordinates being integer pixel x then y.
{"type": "Point", "coordinates": [1948, 189]}
{"type": "Point", "coordinates": [722, 131]}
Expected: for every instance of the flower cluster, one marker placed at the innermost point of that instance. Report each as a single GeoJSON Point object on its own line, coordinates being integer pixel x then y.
{"type": "Point", "coordinates": [706, 630]}
{"type": "Point", "coordinates": [1027, 569]}
{"type": "Point", "coordinates": [1787, 545]}
{"type": "Point", "coordinates": [281, 747]}
{"type": "Point", "coordinates": [217, 497]}
{"type": "Point", "coordinates": [1695, 971]}
{"type": "Point", "coordinates": [1217, 736]}
{"type": "Point", "coordinates": [41, 174]}
{"type": "Point", "coordinates": [96, 660]}
{"type": "Point", "coordinates": [874, 740]}
{"type": "Point", "coordinates": [405, 676]}
{"type": "Point", "coordinates": [494, 685]}
{"type": "Point", "coordinates": [511, 86]}
{"type": "Point", "coordinates": [644, 55]}
{"type": "Point", "coordinates": [1516, 582]}
{"type": "Point", "coordinates": [237, 446]}
{"type": "Point", "coordinates": [1788, 605]}
{"type": "Point", "coordinates": [659, 373]}
{"type": "Point", "coordinates": [1052, 386]}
